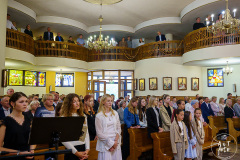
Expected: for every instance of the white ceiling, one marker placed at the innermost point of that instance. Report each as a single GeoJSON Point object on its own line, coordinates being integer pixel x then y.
{"type": "Point", "coordinates": [128, 12]}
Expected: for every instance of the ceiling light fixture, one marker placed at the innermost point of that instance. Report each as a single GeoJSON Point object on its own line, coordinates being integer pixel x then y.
{"type": "Point", "coordinates": [104, 2]}
{"type": "Point", "coordinates": [100, 43]}
{"type": "Point", "coordinates": [227, 70]}
{"type": "Point", "coordinates": [227, 24]}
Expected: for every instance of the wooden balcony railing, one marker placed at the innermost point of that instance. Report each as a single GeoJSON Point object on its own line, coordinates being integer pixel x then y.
{"type": "Point", "coordinates": [60, 49]}
{"type": "Point", "coordinates": [201, 38]}
{"type": "Point", "coordinates": [194, 40]}
{"type": "Point", "coordinates": [116, 53]}
{"type": "Point", "coordinates": [21, 41]}
{"type": "Point", "coordinates": [159, 49]}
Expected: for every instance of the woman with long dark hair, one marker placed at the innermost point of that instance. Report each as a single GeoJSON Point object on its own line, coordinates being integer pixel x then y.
{"type": "Point", "coordinates": [89, 112]}
{"type": "Point", "coordinates": [142, 112]}
{"type": "Point", "coordinates": [15, 128]}
{"type": "Point", "coordinates": [73, 107]}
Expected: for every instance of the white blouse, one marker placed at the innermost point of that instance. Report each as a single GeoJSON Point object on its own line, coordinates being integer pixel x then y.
{"type": "Point", "coordinates": [71, 144]}
{"type": "Point", "coordinates": [181, 126]}
{"type": "Point", "coordinates": [105, 139]}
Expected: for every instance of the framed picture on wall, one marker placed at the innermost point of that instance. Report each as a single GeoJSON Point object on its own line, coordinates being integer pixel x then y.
{"type": "Point", "coordinates": [135, 84]}
{"type": "Point", "coordinates": [142, 84]}
{"type": "Point", "coordinates": [195, 84]}
{"type": "Point", "coordinates": [153, 85]}
{"type": "Point", "coordinates": [182, 83]}
{"type": "Point", "coordinates": [167, 83]}
{"type": "Point", "coordinates": [4, 78]}
{"type": "Point", "coordinates": [215, 77]}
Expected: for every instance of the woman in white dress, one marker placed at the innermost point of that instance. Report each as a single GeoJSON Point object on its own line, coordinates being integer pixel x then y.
{"type": "Point", "coordinates": [108, 130]}
{"type": "Point", "coordinates": [73, 107]}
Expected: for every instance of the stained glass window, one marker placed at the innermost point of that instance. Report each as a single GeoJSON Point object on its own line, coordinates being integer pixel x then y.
{"type": "Point", "coordinates": [30, 78]}
{"type": "Point", "coordinates": [215, 77]}
{"type": "Point", "coordinates": [15, 78]}
{"type": "Point", "coordinates": [64, 80]}
{"type": "Point", "coordinates": [41, 79]}
{"type": "Point", "coordinates": [68, 80]}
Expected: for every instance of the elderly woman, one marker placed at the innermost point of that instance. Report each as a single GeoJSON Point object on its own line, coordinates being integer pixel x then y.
{"type": "Point", "coordinates": [194, 105]}
{"type": "Point", "coordinates": [32, 109]}
{"type": "Point", "coordinates": [47, 110]}
{"type": "Point", "coordinates": [215, 107]}
{"type": "Point", "coordinates": [121, 110]}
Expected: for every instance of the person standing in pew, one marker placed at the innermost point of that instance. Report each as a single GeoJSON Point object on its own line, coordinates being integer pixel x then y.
{"type": "Point", "coordinates": [190, 152]}
{"type": "Point", "coordinates": [166, 113]}
{"type": "Point", "coordinates": [178, 136]}
{"type": "Point", "coordinates": [108, 129]}
{"type": "Point", "coordinates": [206, 109]}
{"type": "Point", "coordinates": [89, 112]}
{"type": "Point", "coordinates": [15, 129]}
{"type": "Point", "coordinates": [180, 105]}
{"type": "Point", "coordinates": [199, 132]}
{"type": "Point", "coordinates": [142, 112]}
{"type": "Point", "coordinates": [154, 121]}
{"type": "Point", "coordinates": [73, 107]}
{"type": "Point", "coordinates": [131, 120]}
{"type": "Point", "coordinates": [47, 109]}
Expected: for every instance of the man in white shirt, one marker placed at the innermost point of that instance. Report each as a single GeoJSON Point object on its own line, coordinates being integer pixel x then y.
{"type": "Point", "coordinates": [9, 23]}
{"type": "Point", "coordinates": [6, 109]}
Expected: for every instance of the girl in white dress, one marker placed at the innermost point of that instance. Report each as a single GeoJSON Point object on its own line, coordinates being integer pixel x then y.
{"type": "Point", "coordinates": [108, 130]}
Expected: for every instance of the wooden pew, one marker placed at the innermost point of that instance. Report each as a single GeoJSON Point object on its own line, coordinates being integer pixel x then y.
{"type": "Point", "coordinates": [93, 154]}
{"type": "Point", "coordinates": [139, 142]}
{"type": "Point", "coordinates": [162, 148]}
{"type": "Point", "coordinates": [217, 123]}
{"type": "Point", "coordinates": [232, 124]}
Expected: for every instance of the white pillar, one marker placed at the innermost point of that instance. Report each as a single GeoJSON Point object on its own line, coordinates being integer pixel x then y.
{"type": "Point", "coordinates": [169, 36]}
{"type": "Point", "coordinates": [3, 20]}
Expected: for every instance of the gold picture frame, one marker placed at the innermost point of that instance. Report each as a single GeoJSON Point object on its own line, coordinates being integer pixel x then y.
{"type": "Point", "coordinates": [182, 83]}
{"type": "Point", "coordinates": [167, 83]}
{"type": "Point", "coordinates": [194, 84]}
{"type": "Point", "coordinates": [153, 83]}
{"type": "Point", "coordinates": [142, 84]}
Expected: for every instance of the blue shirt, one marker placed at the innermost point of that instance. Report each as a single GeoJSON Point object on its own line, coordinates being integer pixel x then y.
{"type": "Point", "coordinates": [129, 43]}
{"type": "Point", "coordinates": [81, 41]}
{"type": "Point", "coordinates": [129, 118]}
{"type": "Point", "coordinates": [43, 112]}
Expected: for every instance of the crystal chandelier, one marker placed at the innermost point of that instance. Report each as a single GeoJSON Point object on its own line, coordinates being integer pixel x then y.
{"type": "Point", "coordinates": [100, 43]}
{"type": "Point", "coordinates": [227, 25]}
{"type": "Point", "coordinates": [227, 70]}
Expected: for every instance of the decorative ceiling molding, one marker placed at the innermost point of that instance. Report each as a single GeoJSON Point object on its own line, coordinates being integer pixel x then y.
{"type": "Point", "coordinates": [194, 5]}
{"type": "Point", "coordinates": [104, 2]}
{"type": "Point", "coordinates": [22, 8]}
{"type": "Point", "coordinates": [67, 21]}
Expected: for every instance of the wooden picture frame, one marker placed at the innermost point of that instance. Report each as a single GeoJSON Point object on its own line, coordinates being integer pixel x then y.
{"type": "Point", "coordinates": [182, 83]}
{"type": "Point", "coordinates": [135, 84]}
{"type": "Point", "coordinates": [194, 84]}
{"type": "Point", "coordinates": [153, 83]}
{"type": "Point", "coordinates": [167, 83]}
{"type": "Point", "coordinates": [142, 84]}
{"type": "Point", "coordinates": [4, 77]}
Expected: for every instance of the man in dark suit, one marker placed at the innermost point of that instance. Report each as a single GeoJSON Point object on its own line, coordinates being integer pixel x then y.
{"type": "Point", "coordinates": [206, 109]}
{"type": "Point", "coordinates": [160, 37]}
{"type": "Point", "coordinates": [6, 109]}
{"type": "Point", "coordinates": [59, 38]}
{"type": "Point", "coordinates": [48, 36]}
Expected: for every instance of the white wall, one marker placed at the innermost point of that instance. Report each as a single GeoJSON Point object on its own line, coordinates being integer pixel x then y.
{"type": "Point", "coordinates": [229, 80]}
{"type": "Point", "coordinates": [167, 67]}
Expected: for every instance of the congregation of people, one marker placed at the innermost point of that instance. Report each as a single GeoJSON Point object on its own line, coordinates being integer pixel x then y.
{"type": "Point", "coordinates": [184, 119]}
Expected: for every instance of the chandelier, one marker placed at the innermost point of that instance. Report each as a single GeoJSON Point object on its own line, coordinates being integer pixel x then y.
{"type": "Point", "coordinates": [227, 25]}
{"type": "Point", "coordinates": [227, 70]}
{"type": "Point", "coordinates": [100, 43]}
